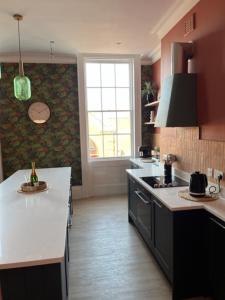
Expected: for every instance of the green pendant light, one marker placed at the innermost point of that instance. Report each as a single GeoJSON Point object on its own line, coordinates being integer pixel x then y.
{"type": "Point", "coordinates": [22, 86]}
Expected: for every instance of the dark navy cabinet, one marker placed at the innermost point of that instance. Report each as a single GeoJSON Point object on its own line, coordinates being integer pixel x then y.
{"type": "Point", "coordinates": [177, 239]}
{"type": "Point", "coordinates": [144, 213]}
{"type": "Point", "coordinates": [42, 282]}
{"type": "Point", "coordinates": [163, 236]}
{"type": "Point", "coordinates": [132, 200]}
{"type": "Point", "coordinates": [217, 258]}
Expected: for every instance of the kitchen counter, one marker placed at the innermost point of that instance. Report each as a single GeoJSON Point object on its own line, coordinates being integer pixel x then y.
{"type": "Point", "coordinates": [33, 226]}
{"type": "Point", "coordinates": [169, 196]}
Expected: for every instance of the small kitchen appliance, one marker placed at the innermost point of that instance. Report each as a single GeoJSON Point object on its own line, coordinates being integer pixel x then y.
{"type": "Point", "coordinates": [198, 184]}
{"type": "Point", "coordinates": [144, 151]}
{"type": "Point", "coordinates": [168, 161]}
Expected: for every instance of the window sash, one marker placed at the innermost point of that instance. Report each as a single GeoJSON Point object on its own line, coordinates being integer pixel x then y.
{"type": "Point", "coordinates": [130, 110]}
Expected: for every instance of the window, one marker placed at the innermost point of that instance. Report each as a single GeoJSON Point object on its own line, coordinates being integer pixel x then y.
{"type": "Point", "coordinates": [109, 93]}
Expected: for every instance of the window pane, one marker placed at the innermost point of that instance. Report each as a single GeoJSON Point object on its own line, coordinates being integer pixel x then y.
{"type": "Point", "coordinates": [109, 122]}
{"type": "Point", "coordinates": [122, 99]}
{"type": "Point", "coordinates": [123, 122]}
{"type": "Point", "coordinates": [94, 98]}
{"type": "Point", "coordinates": [95, 122]}
{"type": "Point", "coordinates": [96, 146]}
{"type": "Point", "coordinates": [124, 145]}
{"type": "Point", "coordinates": [110, 147]}
{"type": "Point", "coordinates": [122, 75]}
{"type": "Point", "coordinates": [108, 75]}
{"type": "Point", "coordinates": [108, 99]}
{"type": "Point", "coordinates": [93, 75]}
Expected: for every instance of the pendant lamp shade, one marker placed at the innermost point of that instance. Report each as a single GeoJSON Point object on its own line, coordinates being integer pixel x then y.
{"type": "Point", "coordinates": [22, 88]}
{"type": "Point", "coordinates": [22, 85]}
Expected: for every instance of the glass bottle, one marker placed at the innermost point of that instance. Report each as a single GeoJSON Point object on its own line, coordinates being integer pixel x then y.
{"type": "Point", "coordinates": [33, 176]}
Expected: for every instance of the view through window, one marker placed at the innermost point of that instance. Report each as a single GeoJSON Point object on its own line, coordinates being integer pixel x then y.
{"type": "Point", "coordinates": [109, 109]}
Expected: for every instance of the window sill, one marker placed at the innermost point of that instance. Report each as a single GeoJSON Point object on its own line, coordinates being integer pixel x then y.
{"type": "Point", "coordinates": [110, 162]}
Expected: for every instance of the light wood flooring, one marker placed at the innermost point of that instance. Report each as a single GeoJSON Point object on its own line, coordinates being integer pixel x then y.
{"type": "Point", "coordinates": [108, 259]}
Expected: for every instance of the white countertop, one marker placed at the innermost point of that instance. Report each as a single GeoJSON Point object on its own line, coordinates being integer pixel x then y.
{"type": "Point", "coordinates": [33, 226]}
{"type": "Point", "coordinates": [169, 196]}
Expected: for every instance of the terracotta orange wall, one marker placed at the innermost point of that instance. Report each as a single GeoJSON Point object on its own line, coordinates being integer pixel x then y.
{"type": "Point", "coordinates": [196, 153]}
{"type": "Point", "coordinates": [156, 73]}
{"type": "Point", "coordinates": [209, 39]}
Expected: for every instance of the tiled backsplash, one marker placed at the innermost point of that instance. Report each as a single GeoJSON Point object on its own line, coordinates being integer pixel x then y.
{"type": "Point", "coordinates": [192, 154]}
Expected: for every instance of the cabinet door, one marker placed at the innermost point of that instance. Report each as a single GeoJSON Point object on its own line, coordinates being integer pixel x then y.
{"type": "Point", "coordinates": [144, 213]}
{"type": "Point", "coordinates": [217, 258]}
{"type": "Point", "coordinates": [132, 200]}
{"type": "Point", "coordinates": [163, 237]}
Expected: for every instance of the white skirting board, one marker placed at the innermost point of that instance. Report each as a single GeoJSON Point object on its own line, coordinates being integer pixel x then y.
{"type": "Point", "coordinates": [100, 190]}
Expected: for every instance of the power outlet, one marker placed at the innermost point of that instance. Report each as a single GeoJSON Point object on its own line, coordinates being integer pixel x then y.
{"type": "Point", "coordinates": [217, 173]}
{"type": "Point", "coordinates": [210, 172]}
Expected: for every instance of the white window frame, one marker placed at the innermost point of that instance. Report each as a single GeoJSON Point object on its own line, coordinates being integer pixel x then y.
{"type": "Point", "coordinates": [129, 61]}
{"type": "Point", "coordinates": [88, 166]}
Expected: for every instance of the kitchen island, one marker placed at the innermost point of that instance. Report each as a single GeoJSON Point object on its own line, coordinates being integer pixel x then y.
{"type": "Point", "coordinates": [34, 248]}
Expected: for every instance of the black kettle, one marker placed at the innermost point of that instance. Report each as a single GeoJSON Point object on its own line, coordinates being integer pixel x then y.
{"type": "Point", "coordinates": [198, 184]}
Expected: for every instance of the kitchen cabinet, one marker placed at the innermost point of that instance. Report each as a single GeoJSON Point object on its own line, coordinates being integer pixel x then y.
{"type": "Point", "coordinates": [132, 200]}
{"type": "Point", "coordinates": [144, 213]}
{"type": "Point", "coordinates": [49, 281]}
{"type": "Point", "coordinates": [140, 209]}
{"type": "Point", "coordinates": [217, 258]}
{"type": "Point", "coordinates": [177, 240]}
{"type": "Point", "coordinates": [154, 221]}
{"type": "Point", "coordinates": [163, 236]}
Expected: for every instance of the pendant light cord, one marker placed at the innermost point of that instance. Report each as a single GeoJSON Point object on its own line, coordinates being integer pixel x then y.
{"type": "Point", "coordinates": [19, 39]}
{"type": "Point", "coordinates": [21, 70]}
{"type": "Point", "coordinates": [52, 50]}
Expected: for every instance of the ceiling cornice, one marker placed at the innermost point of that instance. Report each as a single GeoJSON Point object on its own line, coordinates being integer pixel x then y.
{"type": "Point", "coordinates": [38, 58]}
{"type": "Point", "coordinates": [177, 11]}
{"type": "Point", "coordinates": [155, 54]}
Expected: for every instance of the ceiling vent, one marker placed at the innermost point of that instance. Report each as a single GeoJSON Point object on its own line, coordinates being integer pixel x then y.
{"type": "Point", "coordinates": [189, 25]}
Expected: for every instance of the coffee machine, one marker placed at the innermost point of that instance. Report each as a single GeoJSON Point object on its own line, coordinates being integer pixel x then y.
{"type": "Point", "coordinates": [144, 151]}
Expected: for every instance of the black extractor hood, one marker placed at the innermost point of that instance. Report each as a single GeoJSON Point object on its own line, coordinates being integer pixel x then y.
{"type": "Point", "coordinates": [177, 107]}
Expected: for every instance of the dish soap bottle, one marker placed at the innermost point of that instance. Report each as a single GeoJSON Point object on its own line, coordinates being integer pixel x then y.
{"type": "Point", "coordinates": [33, 176]}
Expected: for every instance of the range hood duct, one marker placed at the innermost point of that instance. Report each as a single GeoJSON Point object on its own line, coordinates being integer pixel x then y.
{"type": "Point", "coordinates": [177, 107]}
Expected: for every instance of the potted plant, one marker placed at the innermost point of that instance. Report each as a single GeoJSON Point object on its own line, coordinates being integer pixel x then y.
{"type": "Point", "coordinates": [149, 91]}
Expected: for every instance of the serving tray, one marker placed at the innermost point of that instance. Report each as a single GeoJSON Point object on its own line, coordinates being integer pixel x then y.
{"type": "Point", "coordinates": [28, 188]}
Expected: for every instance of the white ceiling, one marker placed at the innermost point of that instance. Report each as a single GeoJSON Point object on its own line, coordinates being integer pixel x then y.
{"type": "Point", "coordinates": [86, 26]}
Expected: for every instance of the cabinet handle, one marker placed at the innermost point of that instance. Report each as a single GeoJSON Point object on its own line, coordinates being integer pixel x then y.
{"type": "Point", "coordinates": [218, 223]}
{"type": "Point", "coordinates": [142, 199]}
{"type": "Point", "coordinates": [159, 205]}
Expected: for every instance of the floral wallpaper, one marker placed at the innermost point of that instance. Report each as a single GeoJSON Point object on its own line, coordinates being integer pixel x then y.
{"type": "Point", "coordinates": [146, 75]}
{"type": "Point", "coordinates": [53, 144]}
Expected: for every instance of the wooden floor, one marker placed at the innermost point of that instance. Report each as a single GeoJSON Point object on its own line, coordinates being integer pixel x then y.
{"type": "Point", "coordinates": [109, 260]}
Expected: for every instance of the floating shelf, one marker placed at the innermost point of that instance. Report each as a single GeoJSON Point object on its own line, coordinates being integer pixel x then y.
{"type": "Point", "coordinates": [149, 123]}
{"type": "Point", "coordinates": [152, 104]}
